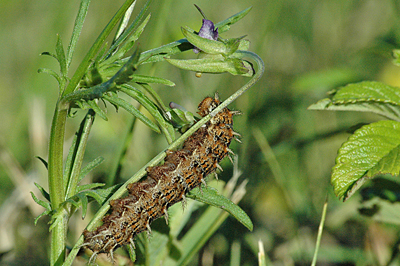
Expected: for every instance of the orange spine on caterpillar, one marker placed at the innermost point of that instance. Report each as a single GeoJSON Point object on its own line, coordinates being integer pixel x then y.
{"type": "Point", "coordinates": [166, 184]}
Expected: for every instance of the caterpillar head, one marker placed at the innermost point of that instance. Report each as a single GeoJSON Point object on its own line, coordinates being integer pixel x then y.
{"type": "Point", "coordinates": [207, 105]}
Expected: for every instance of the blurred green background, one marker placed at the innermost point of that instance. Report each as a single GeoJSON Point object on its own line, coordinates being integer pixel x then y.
{"type": "Point", "coordinates": [309, 48]}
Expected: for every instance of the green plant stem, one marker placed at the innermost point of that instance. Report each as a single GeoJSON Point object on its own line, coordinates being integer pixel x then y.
{"type": "Point", "coordinates": [56, 183]}
{"type": "Point", "coordinates": [156, 160]}
{"type": "Point", "coordinates": [320, 229]}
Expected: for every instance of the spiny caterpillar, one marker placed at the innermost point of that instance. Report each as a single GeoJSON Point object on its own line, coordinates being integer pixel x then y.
{"type": "Point", "coordinates": [166, 184]}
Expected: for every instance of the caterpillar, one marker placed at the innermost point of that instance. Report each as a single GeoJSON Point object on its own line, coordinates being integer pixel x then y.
{"type": "Point", "coordinates": [166, 184]}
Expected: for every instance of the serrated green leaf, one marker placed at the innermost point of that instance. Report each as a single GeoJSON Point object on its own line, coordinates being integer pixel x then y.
{"type": "Point", "coordinates": [367, 91]}
{"type": "Point", "coordinates": [90, 166]}
{"type": "Point", "coordinates": [43, 192]}
{"type": "Point", "coordinates": [150, 79]}
{"type": "Point", "coordinates": [133, 110]}
{"type": "Point", "coordinates": [205, 45]}
{"type": "Point", "coordinates": [211, 196]}
{"type": "Point", "coordinates": [93, 104]}
{"type": "Point", "coordinates": [234, 66]}
{"type": "Point", "coordinates": [365, 96]}
{"type": "Point", "coordinates": [373, 149]}
{"type": "Point", "coordinates": [51, 73]}
{"type": "Point", "coordinates": [225, 24]}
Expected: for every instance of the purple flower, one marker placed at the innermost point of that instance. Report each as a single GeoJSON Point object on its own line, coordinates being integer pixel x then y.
{"type": "Point", "coordinates": [207, 31]}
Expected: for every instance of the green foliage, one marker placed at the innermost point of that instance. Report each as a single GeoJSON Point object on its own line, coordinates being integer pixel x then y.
{"type": "Point", "coordinates": [373, 149]}
{"type": "Point", "coordinates": [366, 96]}
{"type": "Point", "coordinates": [309, 47]}
{"type": "Point", "coordinates": [102, 75]}
{"type": "Point", "coordinates": [211, 196]}
{"type": "Point", "coordinates": [220, 56]}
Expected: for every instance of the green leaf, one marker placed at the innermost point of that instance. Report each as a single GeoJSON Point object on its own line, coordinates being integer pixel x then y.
{"type": "Point", "coordinates": [139, 96]}
{"type": "Point", "coordinates": [96, 47]}
{"type": "Point", "coordinates": [43, 192]}
{"type": "Point", "coordinates": [233, 44]}
{"type": "Point", "coordinates": [107, 192]}
{"type": "Point", "coordinates": [133, 110]}
{"type": "Point", "coordinates": [41, 215]}
{"type": "Point", "coordinates": [128, 31]}
{"type": "Point", "coordinates": [367, 96]}
{"type": "Point", "coordinates": [368, 91]}
{"type": "Point", "coordinates": [97, 109]}
{"type": "Point", "coordinates": [373, 149]}
{"type": "Point", "coordinates": [61, 56]}
{"type": "Point", "coordinates": [79, 21]}
{"type": "Point", "coordinates": [211, 196]}
{"type": "Point", "coordinates": [42, 203]}
{"type": "Point", "coordinates": [165, 51]}
{"type": "Point", "coordinates": [180, 119]}
{"type": "Point", "coordinates": [129, 43]}
{"type": "Point", "coordinates": [150, 79]}
{"type": "Point", "coordinates": [206, 45]}
{"type": "Point", "coordinates": [234, 66]}
{"type": "Point", "coordinates": [49, 54]}
{"type": "Point", "coordinates": [90, 166]}
{"type": "Point", "coordinates": [43, 161]}
{"type": "Point", "coordinates": [51, 73]}
{"type": "Point", "coordinates": [225, 24]}
{"type": "Point", "coordinates": [89, 186]}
